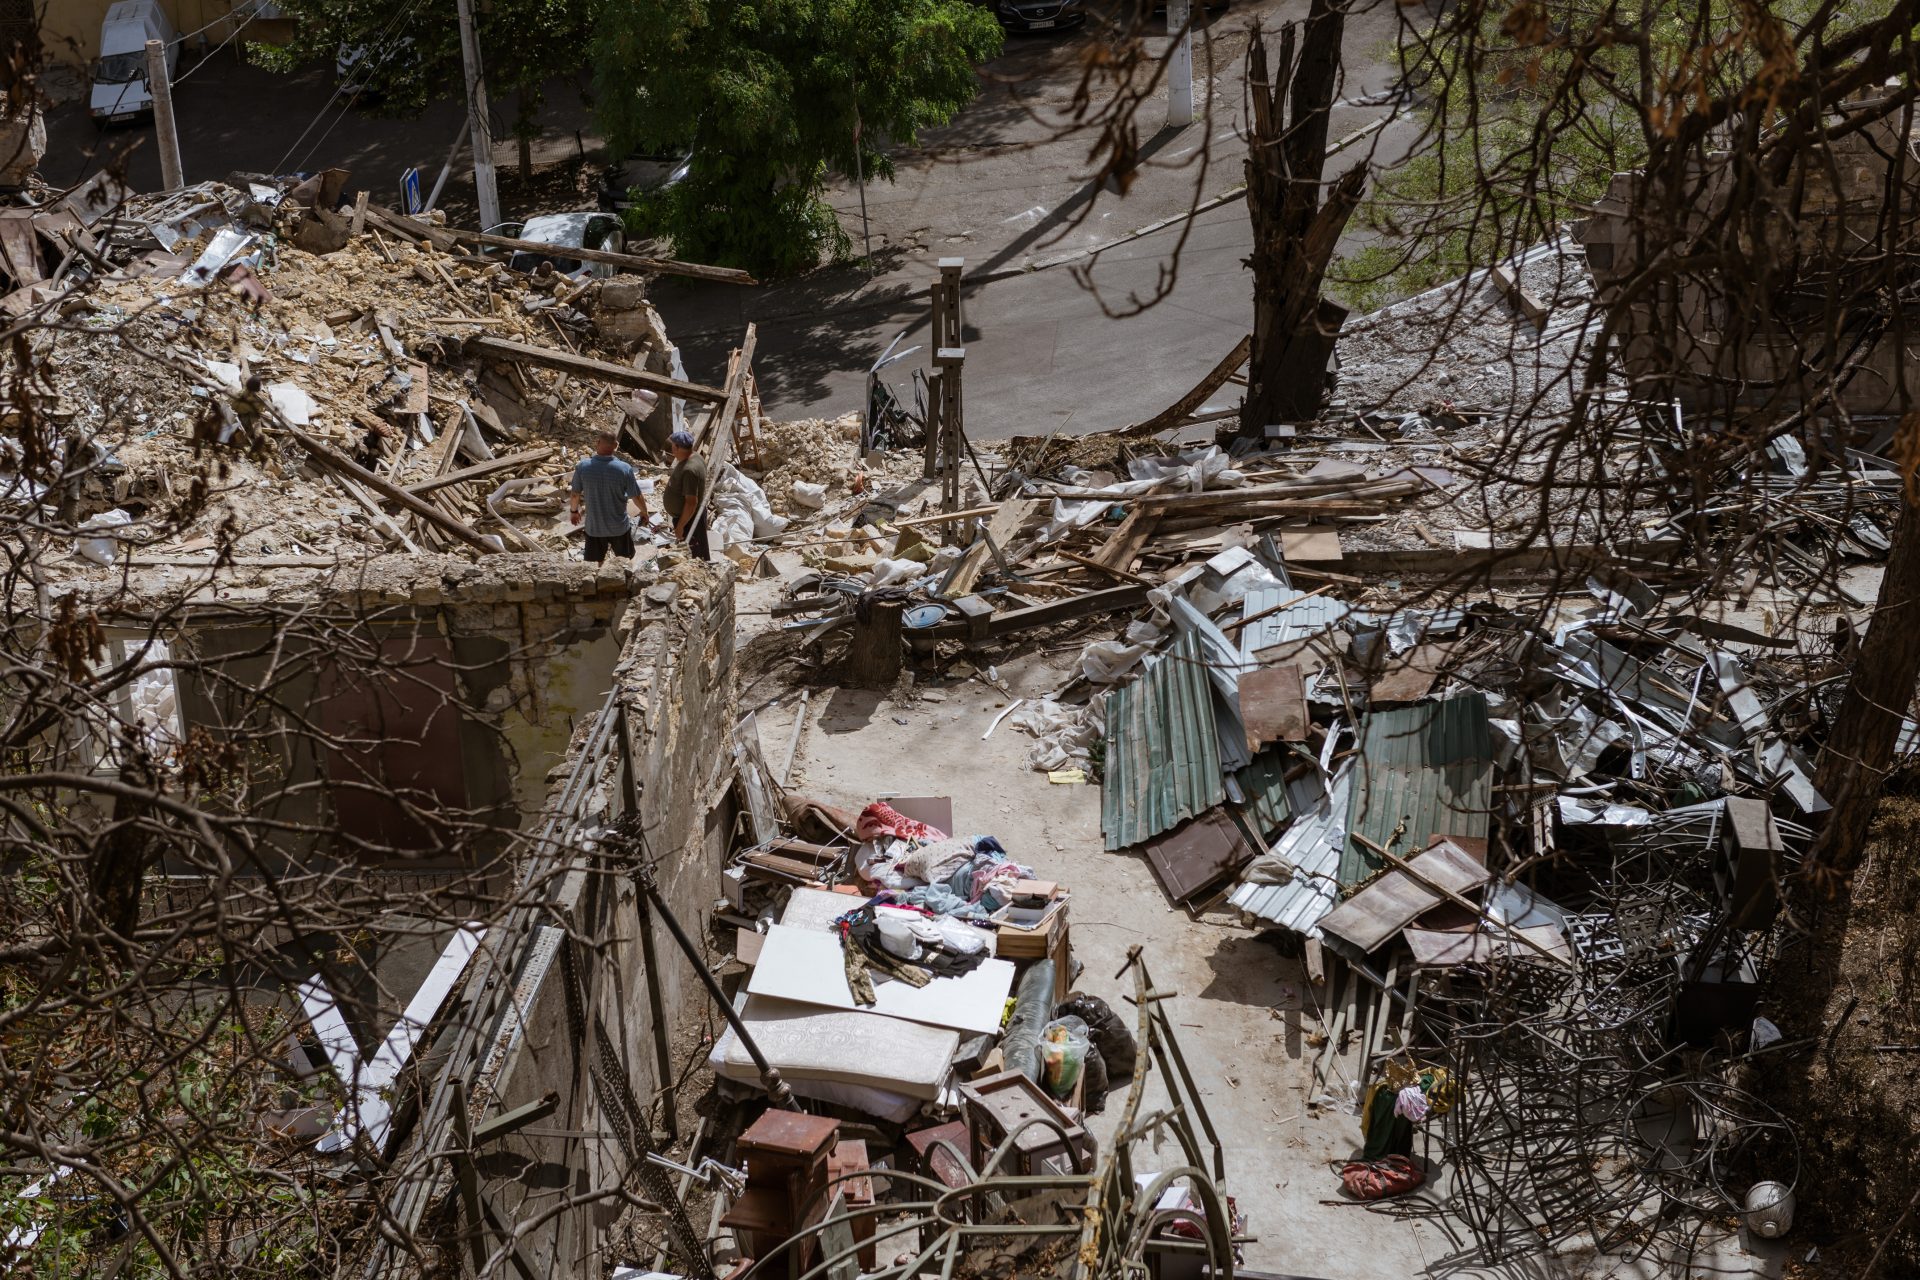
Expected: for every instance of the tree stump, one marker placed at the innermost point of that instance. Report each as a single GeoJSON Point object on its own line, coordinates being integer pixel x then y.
{"type": "Point", "coordinates": [875, 656]}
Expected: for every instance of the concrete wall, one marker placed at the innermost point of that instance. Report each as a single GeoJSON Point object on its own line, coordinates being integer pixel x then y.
{"type": "Point", "coordinates": [1693, 333]}
{"type": "Point", "coordinates": [594, 1046]}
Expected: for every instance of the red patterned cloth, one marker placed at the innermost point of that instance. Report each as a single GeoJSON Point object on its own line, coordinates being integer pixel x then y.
{"type": "Point", "coordinates": [1378, 1179]}
{"type": "Point", "coordinates": [882, 819]}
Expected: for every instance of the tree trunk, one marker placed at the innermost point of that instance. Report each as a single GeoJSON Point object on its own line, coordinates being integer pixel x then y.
{"type": "Point", "coordinates": [118, 870]}
{"type": "Point", "coordinates": [523, 134]}
{"type": "Point", "coordinates": [1860, 749]}
{"type": "Point", "coordinates": [1294, 233]}
{"type": "Point", "coordinates": [874, 658]}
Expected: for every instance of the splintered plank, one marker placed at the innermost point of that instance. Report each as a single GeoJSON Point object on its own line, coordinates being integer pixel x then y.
{"type": "Point", "coordinates": [1123, 546]}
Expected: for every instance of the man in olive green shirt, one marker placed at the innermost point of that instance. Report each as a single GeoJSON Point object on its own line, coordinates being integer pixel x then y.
{"type": "Point", "coordinates": [686, 484]}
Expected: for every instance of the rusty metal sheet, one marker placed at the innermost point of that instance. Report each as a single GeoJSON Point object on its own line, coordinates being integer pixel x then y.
{"type": "Point", "coordinates": [1273, 706]}
{"type": "Point", "coordinates": [1410, 676]}
{"type": "Point", "coordinates": [19, 248]}
{"type": "Point", "coordinates": [1198, 854]}
{"type": "Point", "coordinates": [1372, 916]}
{"type": "Point", "coordinates": [1443, 949]}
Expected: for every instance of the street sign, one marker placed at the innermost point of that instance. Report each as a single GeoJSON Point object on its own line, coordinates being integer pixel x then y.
{"type": "Point", "coordinates": [410, 200]}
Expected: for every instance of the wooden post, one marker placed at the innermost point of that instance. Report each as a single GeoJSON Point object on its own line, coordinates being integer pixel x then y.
{"type": "Point", "coordinates": [952, 433]}
{"type": "Point", "coordinates": [874, 658]}
{"type": "Point", "coordinates": [946, 334]}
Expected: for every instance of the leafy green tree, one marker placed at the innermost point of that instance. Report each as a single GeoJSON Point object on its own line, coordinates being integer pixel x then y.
{"type": "Point", "coordinates": [770, 96]}
{"type": "Point", "coordinates": [409, 50]}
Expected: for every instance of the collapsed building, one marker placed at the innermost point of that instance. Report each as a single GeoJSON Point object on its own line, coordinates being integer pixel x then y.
{"type": "Point", "coordinates": [1515, 775]}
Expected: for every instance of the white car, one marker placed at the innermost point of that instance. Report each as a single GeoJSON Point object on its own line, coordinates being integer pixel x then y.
{"type": "Point", "coordinates": [120, 91]}
{"type": "Point", "coordinates": [565, 231]}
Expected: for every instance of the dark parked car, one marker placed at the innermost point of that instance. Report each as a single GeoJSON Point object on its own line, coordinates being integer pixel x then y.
{"type": "Point", "coordinates": [644, 174]}
{"type": "Point", "coordinates": [1039, 15]}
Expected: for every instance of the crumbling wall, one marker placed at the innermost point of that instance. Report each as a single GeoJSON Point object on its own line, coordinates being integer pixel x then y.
{"type": "Point", "coordinates": [1698, 331]}
{"type": "Point", "coordinates": [527, 642]}
{"type": "Point", "coordinates": [585, 1030]}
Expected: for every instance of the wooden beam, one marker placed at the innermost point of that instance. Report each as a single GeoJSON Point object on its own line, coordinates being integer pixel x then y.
{"type": "Point", "coordinates": [480, 470]}
{"type": "Point", "coordinates": [1125, 575]}
{"type": "Point", "coordinates": [717, 443]}
{"type": "Point", "coordinates": [513, 1121]}
{"type": "Point", "coordinates": [340, 464]}
{"type": "Point", "coordinates": [1216, 377]}
{"type": "Point", "coordinates": [485, 344]}
{"type": "Point", "coordinates": [1006, 521]}
{"type": "Point", "coordinates": [944, 517]}
{"type": "Point", "coordinates": [632, 262]}
{"type": "Point", "coordinates": [1111, 600]}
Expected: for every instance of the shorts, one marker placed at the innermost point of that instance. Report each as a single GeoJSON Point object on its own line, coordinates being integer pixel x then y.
{"type": "Point", "coordinates": [621, 545]}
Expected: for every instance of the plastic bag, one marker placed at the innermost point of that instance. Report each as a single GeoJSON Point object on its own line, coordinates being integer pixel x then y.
{"type": "Point", "coordinates": [1066, 734]}
{"type": "Point", "coordinates": [1194, 470]}
{"type": "Point", "coordinates": [1116, 1043]}
{"type": "Point", "coordinates": [1063, 1052]}
{"type": "Point", "coordinates": [1379, 1179]}
{"type": "Point", "coordinates": [891, 573]}
{"type": "Point", "coordinates": [739, 512]}
{"type": "Point", "coordinates": [99, 542]}
{"type": "Point", "coordinates": [811, 496]}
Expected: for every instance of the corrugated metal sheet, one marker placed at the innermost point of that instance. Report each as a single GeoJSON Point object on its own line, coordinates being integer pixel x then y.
{"type": "Point", "coordinates": [1424, 770]}
{"type": "Point", "coordinates": [1223, 665]}
{"type": "Point", "coordinates": [1312, 844]}
{"type": "Point", "coordinates": [1263, 786]}
{"type": "Point", "coordinates": [1307, 617]}
{"type": "Point", "coordinates": [1163, 750]}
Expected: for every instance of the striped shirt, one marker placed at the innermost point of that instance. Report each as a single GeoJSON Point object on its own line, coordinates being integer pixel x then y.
{"type": "Point", "coordinates": [604, 484]}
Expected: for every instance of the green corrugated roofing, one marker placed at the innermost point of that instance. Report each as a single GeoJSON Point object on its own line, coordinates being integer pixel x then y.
{"type": "Point", "coordinates": [1163, 751]}
{"type": "Point", "coordinates": [1423, 770]}
{"type": "Point", "coordinates": [1264, 784]}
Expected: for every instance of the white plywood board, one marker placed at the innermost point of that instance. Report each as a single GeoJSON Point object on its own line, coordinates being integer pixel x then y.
{"type": "Point", "coordinates": [807, 1042]}
{"type": "Point", "coordinates": [807, 966]}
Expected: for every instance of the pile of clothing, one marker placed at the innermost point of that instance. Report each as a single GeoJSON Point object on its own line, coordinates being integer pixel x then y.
{"type": "Point", "coordinates": [911, 944]}
{"type": "Point", "coordinates": [908, 863]}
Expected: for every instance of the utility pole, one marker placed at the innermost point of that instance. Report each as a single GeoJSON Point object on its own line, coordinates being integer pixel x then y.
{"type": "Point", "coordinates": [160, 85]}
{"type": "Point", "coordinates": [478, 126]}
{"type": "Point", "coordinates": [1180, 64]}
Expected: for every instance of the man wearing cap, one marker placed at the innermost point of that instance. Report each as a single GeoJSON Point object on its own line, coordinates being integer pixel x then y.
{"type": "Point", "coordinates": [602, 484]}
{"type": "Point", "coordinates": [686, 483]}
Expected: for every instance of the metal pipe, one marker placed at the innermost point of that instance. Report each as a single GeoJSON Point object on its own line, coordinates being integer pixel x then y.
{"type": "Point", "coordinates": [777, 1089]}
{"type": "Point", "coordinates": [656, 1009]}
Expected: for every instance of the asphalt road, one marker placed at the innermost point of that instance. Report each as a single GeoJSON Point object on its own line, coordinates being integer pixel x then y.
{"type": "Point", "coordinates": [1042, 355]}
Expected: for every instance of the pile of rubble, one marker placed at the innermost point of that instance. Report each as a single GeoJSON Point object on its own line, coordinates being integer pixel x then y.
{"type": "Point", "coordinates": [412, 394]}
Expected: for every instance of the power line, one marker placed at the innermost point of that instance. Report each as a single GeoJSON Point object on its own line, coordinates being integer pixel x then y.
{"type": "Point", "coordinates": [392, 46]}
{"type": "Point", "coordinates": [208, 56]}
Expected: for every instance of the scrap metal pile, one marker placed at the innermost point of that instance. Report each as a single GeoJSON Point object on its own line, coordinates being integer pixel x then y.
{"type": "Point", "coordinates": [1524, 803]}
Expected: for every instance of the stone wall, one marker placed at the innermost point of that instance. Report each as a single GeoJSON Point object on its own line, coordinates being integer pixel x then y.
{"type": "Point", "coordinates": [586, 1031]}
{"type": "Point", "coordinates": [531, 642]}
